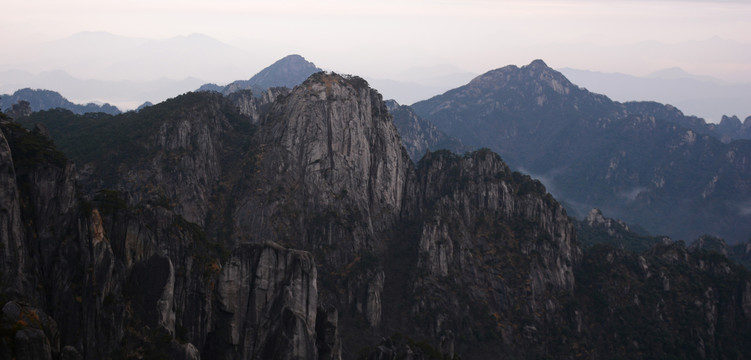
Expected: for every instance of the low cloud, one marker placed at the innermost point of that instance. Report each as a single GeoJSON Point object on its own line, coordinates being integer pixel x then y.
{"type": "Point", "coordinates": [631, 195]}
{"type": "Point", "coordinates": [744, 208]}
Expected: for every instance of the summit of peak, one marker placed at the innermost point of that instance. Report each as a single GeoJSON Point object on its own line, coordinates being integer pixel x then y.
{"type": "Point", "coordinates": [538, 63]}
{"type": "Point", "coordinates": [287, 71]}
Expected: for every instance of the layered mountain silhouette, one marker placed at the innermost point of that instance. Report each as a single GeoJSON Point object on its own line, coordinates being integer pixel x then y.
{"type": "Point", "coordinates": [293, 225]}
{"type": "Point", "coordinates": [46, 99]}
{"type": "Point", "coordinates": [635, 161]}
{"type": "Point", "coordinates": [705, 97]}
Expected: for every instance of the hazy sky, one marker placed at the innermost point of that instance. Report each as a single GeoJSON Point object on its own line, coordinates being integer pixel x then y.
{"type": "Point", "coordinates": [382, 38]}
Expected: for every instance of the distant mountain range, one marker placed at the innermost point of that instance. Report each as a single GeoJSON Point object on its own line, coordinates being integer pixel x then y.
{"type": "Point", "coordinates": [701, 96]}
{"type": "Point", "coordinates": [46, 99]}
{"type": "Point", "coordinates": [421, 83]}
{"type": "Point", "coordinates": [127, 71]}
{"type": "Point", "coordinates": [106, 56]}
{"type": "Point", "coordinates": [635, 161]}
{"type": "Point", "coordinates": [126, 94]}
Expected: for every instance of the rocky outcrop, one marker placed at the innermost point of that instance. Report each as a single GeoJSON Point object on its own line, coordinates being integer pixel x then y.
{"type": "Point", "coordinates": [493, 247]}
{"type": "Point", "coordinates": [598, 229]}
{"type": "Point", "coordinates": [255, 107]}
{"type": "Point", "coordinates": [40, 184]}
{"type": "Point", "coordinates": [27, 333]}
{"type": "Point", "coordinates": [596, 219]}
{"type": "Point", "coordinates": [730, 128]}
{"type": "Point", "coordinates": [328, 151]}
{"type": "Point", "coordinates": [302, 230]}
{"type": "Point", "coordinates": [710, 243]}
{"type": "Point", "coordinates": [20, 110]}
{"type": "Point", "coordinates": [268, 300]}
{"type": "Point", "coordinates": [129, 281]}
{"type": "Point", "coordinates": [13, 253]}
{"type": "Point", "coordinates": [330, 179]}
{"type": "Point", "coordinates": [175, 156]}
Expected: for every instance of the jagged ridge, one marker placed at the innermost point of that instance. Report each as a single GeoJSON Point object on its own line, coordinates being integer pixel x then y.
{"type": "Point", "coordinates": [634, 161]}
{"type": "Point", "coordinates": [487, 259]}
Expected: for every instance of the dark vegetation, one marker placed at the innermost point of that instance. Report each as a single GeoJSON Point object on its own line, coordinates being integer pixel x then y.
{"type": "Point", "coordinates": [31, 148]}
{"type": "Point", "coordinates": [121, 138]}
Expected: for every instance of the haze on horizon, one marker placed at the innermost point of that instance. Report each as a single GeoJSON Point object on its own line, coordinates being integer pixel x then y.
{"type": "Point", "coordinates": [393, 39]}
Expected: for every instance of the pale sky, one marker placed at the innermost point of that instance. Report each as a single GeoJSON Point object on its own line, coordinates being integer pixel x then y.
{"type": "Point", "coordinates": [383, 38]}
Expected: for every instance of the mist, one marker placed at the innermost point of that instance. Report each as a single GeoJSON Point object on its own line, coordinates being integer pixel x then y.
{"type": "Point", "coordinates": [409, 50]}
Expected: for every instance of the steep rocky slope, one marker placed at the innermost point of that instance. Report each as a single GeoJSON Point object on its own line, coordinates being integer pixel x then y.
{"type": "Point", "coordinates": [200, 230]}
{"type": "Point", "coordinates": [127, 276]}
{"type": "Point", "coordinates": [635, 161]}
{"type": "Point", "coordinates": [491, 250]}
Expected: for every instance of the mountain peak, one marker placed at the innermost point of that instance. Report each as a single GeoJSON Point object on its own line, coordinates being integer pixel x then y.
{"type": "Point", "coordinates": [536, 68]}
{"type": "Point", "coordinates": [537, 64]}
{"type": "Point", "coordinates": [288, 71]}
{"type": "Point", "coordinates": [292, 58]}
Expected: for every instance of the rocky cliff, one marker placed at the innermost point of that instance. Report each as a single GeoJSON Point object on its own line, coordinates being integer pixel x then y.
{"type": "Point", "coordinates": [493, 249]}
{"type": "Point", "coordinates": [129, 278]}
{"type": "Point", "coordinates": [300, 229]}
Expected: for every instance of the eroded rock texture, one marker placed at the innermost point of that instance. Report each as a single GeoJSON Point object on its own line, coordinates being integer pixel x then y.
{"type": "Point", "coordinates": [295, 226]}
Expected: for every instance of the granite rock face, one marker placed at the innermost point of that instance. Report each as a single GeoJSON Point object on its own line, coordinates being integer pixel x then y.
{"type": "Point", "coordinates": [330, 179]}
{"type": "Point", "coordinates": [13, 253]}
{"type": "Point", "coordinates": [256, 106]}
{"type": "Point", "coordinates": [131, 280]}
{"type": "Point", "coordinates": [492, 246]}
{"type": "Point", "coordinates": [300, 229]}
{"type": "Point", "coordinates": [328, 147]}
{"type": "Point", "coordinates": [268, 299]}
